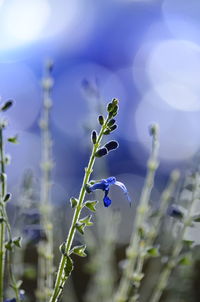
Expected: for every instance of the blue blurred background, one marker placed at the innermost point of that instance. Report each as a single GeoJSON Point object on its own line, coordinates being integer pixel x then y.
{"type": "Point", "coordinates": [146, 53]}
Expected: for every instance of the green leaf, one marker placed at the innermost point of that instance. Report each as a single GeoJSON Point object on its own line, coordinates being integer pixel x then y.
{"type": "Point", "coordinates": [17, 241]}
{"type": "Point", "coordinates": [19, 283]}
{"type": "Point", "coordinates": [62, 248]}
{"type": "Point", "coordinates": [86, 220]}
{"type": "Point", "coordinates": [91, 205]}
{"type": "Point", "coordinates": [185, 260]}
{"type": "Point", "coordinates": [79, 250]}
{"type": "Point", "coordinates": [188, 243]}
{"type": "Point", "coordinates": [6, 105]}
{"type": "Point", "coordinates": [7, 197]}
{"type": "Point", "coordinates": [137, 277]}
{"type": "Point", "coordinates": [153, 251]}
{"type": "Point", "coordinates": [2, 219]}
{"type": "Point", "coordinates": [80, 227]}
{"type": "Point", "coordinates": [13, 139]}
{"type": "Point", "coordinates": [196, 218]}
{"type": "Point", "coordinates": [68, 266]}
{"type": "Point", "coordinates": [74, 202]}
{"type": "Point", "coordinates": [9, 245]}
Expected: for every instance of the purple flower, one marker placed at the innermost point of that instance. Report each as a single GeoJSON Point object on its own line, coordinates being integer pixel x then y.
{"type": "Point", "coordinates": [175, 211]}
{"type": "Point", "coordinates": [10, 300]}
{"type": "Point", "coordinates": [104, 185]}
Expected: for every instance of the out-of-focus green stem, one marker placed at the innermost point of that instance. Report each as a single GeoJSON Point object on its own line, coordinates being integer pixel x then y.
{"type": "Point", "coordinates": [167, 270]}
{"type": "Point", "coordinates": [142, 210]}
{"type": "Point", "coordinates": [2, 224]}
{"type": "Point", "coordinates": [152, 234]}
{"type": "Point", "coordinates": [45, 248]}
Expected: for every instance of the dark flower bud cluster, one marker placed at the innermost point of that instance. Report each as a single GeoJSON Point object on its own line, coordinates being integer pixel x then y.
{"type": "Point", "coordinates": [109, 125]}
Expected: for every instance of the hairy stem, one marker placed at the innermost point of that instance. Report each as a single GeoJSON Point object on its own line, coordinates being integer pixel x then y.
{"type": "Point", "coordinates": [2, 224]}
{"type": "Point", "coordinates": [166, 272]}
{"type": "Point", "coordinates": [166, 195]}
{"type": "Point", "coordinates": [60, 280]}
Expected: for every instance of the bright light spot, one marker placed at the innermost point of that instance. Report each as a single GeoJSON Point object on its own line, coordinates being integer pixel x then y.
{"type": "Point", "coordinates": [182, 18]}
{"type": "Point", "coordinates": [179, 130]}
{"type": "Point", "coordinates": [1, 2]}
{"type": "Point", "coordinates": [23, 20]}
{"type": "Point", "coordinates": [18, 82]}
{"type": "Point", "coordinates": [179, 96]}
{"type": "Point", "coordinates": [139, 67]}
{"type": "Point", "coordinates": [174, 70]}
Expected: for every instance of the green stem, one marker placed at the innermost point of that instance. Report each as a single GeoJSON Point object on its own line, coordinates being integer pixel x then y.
{"type": "Point", "coordinates": [45, 250]}
{"type": "Point", "coordinates": [5, 226]}
{"type": "Point", "coordinates": [166, 195]}
{"type": "Point", "coordinates": [165, 274]}
{"type": "Point", "coordinates": [60, 280]}
{"type": "Point", "coordinates": [142, 210]}
{"type": "Point", "coordinates": [2, 225]}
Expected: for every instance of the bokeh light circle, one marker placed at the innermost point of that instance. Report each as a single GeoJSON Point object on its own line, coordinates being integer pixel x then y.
{"type": "Point", "coordinates": [182, 18]}
{"type": "Point", "coordinates": [18, 82]}
{"type": "Point", "coordinates": [179, 130]}
{"type": "Point", "coordinates": [23, 21]}
{"type": "Point", "coordinates": [173, 68]}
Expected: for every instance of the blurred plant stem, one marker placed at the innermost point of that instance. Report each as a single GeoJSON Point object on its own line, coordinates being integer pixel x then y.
{"type": "Point", "coordinates": [102, 260]}
{"type": "Point", "coordinates": [45, 247]}
{"type": "Point", "coordinates": [153, 232]}
{"type": "Point", "coordinates": [66, 265]}
{"type": "Point", "coordinates": [128, 275]}
{"type": "Point", "coordinates": [5, 230]}
{"type": "Point", "coordinates": [178, 245]}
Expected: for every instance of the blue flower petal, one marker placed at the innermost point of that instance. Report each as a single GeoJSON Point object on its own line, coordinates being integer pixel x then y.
{"type": "Point", "coordinates": [10, 300]}
{"type": "Point", "coordinates": [122, 186]}
{"type": "Point", "coordinates": [107, 201]}
{"type": "Point", "coordinates": [111, 180]}
{"type": "Point", "coordinates": [102, 185]}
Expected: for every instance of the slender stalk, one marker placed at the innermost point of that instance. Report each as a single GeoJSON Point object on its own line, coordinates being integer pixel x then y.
{"type": "Point", "coordinates": [165, 274]}
{"type": "Point", "coordinates": [152, 234]}
{"type": "Point", "coordinates": [60, 280]}
{"type": "Point", "coordinates": [142, 210]}
{"type": "Point", "coordinates": [2, 225]}
{"type": "Point", "coordinates": [45, 249]}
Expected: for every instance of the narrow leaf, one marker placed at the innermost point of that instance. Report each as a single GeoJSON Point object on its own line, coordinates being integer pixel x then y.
{"type": "Point", "coordinates": [80, 227]}
{"type": "Point", "coordinates": [6, 105]}
{"type": "Point", "coordinates": [68, 266]}
{"type": "Point", "coordinates": [13, 139]}
{"type": "Point", "coordinates": [79, 250]}
{"type": "Point", "coordinates": [153, 252]}
{"type": "Point", "coordinates": [86, 220]}
{"type": "Point", "coordinates": [73, 202]}
{"type": "Point", "coordinates": [17, 241]}
{"type": "Point", "coordinates": [91, 205]}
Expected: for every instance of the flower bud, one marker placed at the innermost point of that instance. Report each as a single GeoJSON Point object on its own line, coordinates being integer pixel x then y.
{"type": "Point", "coordinates": [101, 152]}
{"type": "Point", "coordinates": [112, 145]}
{"type": "Point", "coordinates": [94, 137]}
{"type": "Point", "coordinates": [101, 120]}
